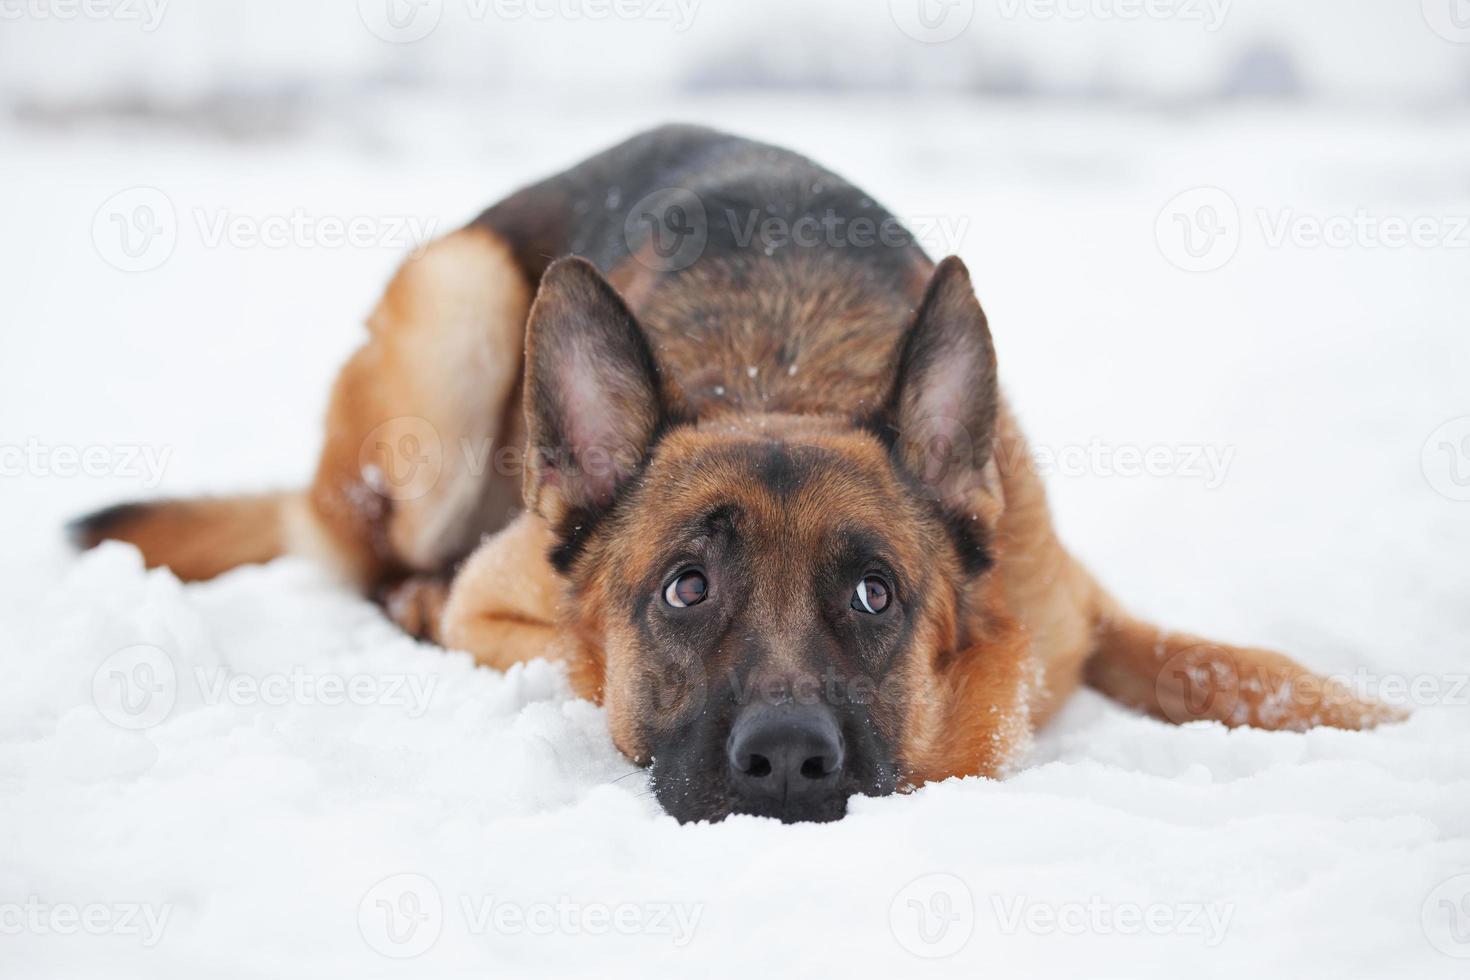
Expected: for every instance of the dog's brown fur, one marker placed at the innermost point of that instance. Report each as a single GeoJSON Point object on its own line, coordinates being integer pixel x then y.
{"type": "Point", "coordinates": [993, 654]}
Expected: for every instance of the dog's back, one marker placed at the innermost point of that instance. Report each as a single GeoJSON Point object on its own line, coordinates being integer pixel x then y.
{"type": "Point", "coordinates": [766, 282]}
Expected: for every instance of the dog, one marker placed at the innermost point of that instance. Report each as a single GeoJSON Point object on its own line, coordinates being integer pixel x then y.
{"type": "Point", "coordinates": [699, 419]}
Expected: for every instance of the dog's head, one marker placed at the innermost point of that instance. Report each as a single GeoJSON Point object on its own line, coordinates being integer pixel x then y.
{"type": "Point", "coordinates": [777, 609]}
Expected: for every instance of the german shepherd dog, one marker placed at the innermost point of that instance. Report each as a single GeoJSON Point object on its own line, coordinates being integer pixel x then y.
{"type": "Point", "coordinates": [760, 493]}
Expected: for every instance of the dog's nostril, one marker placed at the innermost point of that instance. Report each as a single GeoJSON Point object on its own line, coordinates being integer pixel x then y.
{"type": "Point", "coordinates": [787, 753]}
{"type": "Point", "coordinates": [815, 768]}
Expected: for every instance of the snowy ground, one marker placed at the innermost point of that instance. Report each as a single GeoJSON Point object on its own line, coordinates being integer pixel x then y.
{"type": "Point", "coordinates": [1311, 405]}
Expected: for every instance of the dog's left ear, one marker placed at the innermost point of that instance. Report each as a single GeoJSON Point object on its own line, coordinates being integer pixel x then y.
{"type": "Point", "coordinates": [593, 403]}
{"type": "Point", "coordinates": [945, 397]}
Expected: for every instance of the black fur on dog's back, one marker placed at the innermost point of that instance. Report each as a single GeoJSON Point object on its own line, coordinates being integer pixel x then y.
{"type": "Point", "coordinates": [586, 210]}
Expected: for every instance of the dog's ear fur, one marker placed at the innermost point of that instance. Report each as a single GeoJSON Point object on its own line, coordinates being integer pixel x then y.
{"type": "Point", "coordinates": [945, 397]}
{"type": "Point", "coordinates": [593, 405]}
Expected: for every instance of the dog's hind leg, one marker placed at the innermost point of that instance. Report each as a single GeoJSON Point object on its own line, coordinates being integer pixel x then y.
{"type": "Point", "coordinates": [424, 428]}
{"type": "Point", "coordinates": [413, 470]}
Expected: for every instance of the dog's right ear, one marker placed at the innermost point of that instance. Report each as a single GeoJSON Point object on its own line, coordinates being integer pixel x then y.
{"type": "Point", "coordinates": [945, 400]}
{"type": "Point", "coordinates": [593, 404]}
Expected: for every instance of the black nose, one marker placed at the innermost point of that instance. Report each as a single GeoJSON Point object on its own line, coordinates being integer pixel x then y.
{"type": "Point", "coordinates": [786, 759]}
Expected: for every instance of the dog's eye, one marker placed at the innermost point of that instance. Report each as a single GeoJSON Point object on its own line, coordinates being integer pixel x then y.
{"type": "Point", "coordinates": [689, 589]}
{"type": "Point", "coordinates": [871, 595]}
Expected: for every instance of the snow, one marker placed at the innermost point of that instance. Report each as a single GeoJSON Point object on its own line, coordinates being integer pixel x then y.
{"type": "Point", "coordinates": [303, 770]}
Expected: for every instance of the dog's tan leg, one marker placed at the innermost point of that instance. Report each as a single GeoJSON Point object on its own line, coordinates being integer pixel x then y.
{"type": "Point", "coordinates": [502, 606]}
{"type": "Point", "coordinates": [414, 467]}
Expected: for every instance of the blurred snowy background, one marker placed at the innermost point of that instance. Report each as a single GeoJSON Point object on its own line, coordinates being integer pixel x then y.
{"type": "Point", "coordinates": [1233, 237]}
{"type": "Point", "coordinates": [268, 66]}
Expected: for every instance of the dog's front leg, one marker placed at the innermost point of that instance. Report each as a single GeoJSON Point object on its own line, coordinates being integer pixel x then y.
{"type": "Point", "coordinates": [502, 604]}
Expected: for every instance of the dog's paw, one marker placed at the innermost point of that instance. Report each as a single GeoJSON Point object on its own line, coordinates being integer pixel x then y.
{"type": "Point", "coordinates": [417, 605]}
